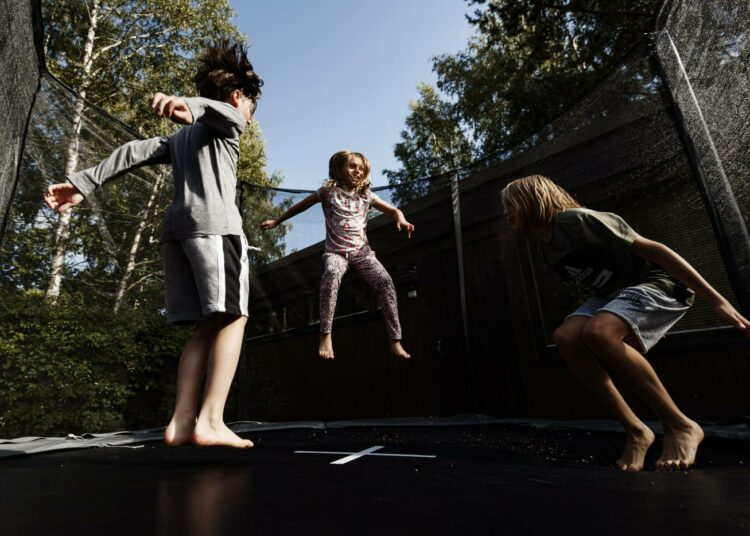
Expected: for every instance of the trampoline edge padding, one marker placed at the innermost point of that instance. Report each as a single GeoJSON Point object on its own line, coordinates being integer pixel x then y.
{"type": "Point", "coordinates": [25, 446]}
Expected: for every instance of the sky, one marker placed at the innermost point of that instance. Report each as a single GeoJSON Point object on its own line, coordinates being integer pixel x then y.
{"type": "Point", "coordinates": [339, 74]}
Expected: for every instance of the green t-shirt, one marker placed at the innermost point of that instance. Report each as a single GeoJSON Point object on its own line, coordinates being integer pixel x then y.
{"type": "Point", "coordinates": [593, 248]}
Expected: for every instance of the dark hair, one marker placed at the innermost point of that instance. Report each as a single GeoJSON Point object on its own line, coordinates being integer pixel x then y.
{"type": "Point", "coordinates": [224, 68]}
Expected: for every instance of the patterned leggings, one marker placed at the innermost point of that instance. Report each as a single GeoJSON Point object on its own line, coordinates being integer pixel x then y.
{"type": "Point", "coordinates": [372, 272]}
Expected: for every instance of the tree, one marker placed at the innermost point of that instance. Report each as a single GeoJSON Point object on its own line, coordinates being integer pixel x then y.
{"type": "Point", "coordinates": [432, 144]}
{"type": "Point", "coordinates": [99, 367]}
{"type": "Point", "coordinates": [137, 48]}
{"type": "Point", "coordinates": [113, 52]}
{"type": "Point", "coordinates": [527, 63]}
{"type": "Point", "coordinates": [257, 200]}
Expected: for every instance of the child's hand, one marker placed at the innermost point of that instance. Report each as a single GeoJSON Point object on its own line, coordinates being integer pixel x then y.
{"type": "Point", "coordinates": [268, 224]}
{"type": "Point", "coordinates": [401, 223]}
{"type": "Point", "coordinates": [175, 108]}
{"type": "Point", "coordinates": [62, 196]}
{"type": "Point", "coordinates": [731, 315]}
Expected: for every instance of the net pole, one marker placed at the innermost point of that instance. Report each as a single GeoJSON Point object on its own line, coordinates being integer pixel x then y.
{"type": "Point", "coordinates": [456, 199]}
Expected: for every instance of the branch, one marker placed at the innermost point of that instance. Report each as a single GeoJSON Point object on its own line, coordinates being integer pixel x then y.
{"type": "Point", "coordinates": [124, 39]}
{"type": "Point", "coordinates": [127, 30]}
{"type": "Point", "coordinates": [151, 46]}
{"type": "Point", "coordinates": [95, 288]}
{"type": "Point", "coordinates": [88, 11]}
{"type": "Point", "coordinates": [572, 9]}
{"type": "Point", "coordinates": [141, 280]}
{"type": "Point", "coordinates": [160, 45]}
{"type": "Point", "coordinates": [79, 263]}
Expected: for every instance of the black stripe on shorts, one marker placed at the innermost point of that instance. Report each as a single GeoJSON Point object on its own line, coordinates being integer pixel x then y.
{"type": "Point", "coordinates": [232, 245]}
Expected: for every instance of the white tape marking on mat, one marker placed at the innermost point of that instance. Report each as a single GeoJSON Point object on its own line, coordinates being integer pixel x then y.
{"type": "Point", "coordinates": [367, 452]}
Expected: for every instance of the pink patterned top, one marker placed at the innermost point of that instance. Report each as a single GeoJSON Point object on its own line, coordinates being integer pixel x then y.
{"type": "Point", "coordinates": [346, 218]}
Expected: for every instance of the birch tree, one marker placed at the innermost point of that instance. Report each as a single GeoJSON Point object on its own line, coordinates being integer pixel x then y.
{"type": "Point", "coordinates": [62, 232]}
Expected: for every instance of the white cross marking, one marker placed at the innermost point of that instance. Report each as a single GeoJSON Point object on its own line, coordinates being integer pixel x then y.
{"type": "Point", "coordinates": [354, 455]}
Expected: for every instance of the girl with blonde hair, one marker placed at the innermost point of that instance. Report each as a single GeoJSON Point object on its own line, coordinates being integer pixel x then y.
{"type": "Point", "coordinates": [346, 198]}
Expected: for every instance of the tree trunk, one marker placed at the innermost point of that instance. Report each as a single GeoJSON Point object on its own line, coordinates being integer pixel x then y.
{"type": "Point", "coordinates": [122, 287]}
{"type": "Point", "coordinates": [62, 233]}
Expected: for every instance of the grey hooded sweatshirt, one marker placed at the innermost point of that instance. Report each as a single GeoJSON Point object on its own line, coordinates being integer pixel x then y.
{"type": "Point", "coordinates": [204, 163]}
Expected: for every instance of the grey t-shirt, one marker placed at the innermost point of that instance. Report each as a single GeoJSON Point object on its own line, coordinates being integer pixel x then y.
{"type": "Point", "coordinates": [593, 248]}
{"type": "Point", "coordinates": [204, 163]}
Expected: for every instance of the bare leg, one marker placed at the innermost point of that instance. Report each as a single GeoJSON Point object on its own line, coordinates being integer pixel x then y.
{"type": "Point", "coordinates": [190, 373]}
{"type": "Point", "coordinates": [587, 368]}
{"type": "Point", "coordinates": [210, 429]}
{"type": "Point", "coordinates": [325, 348]}
{"type": "Point", "coordinates": [605, 335]}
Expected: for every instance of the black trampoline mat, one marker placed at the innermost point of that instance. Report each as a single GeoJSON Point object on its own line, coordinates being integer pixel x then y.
{"type": "Point", "coordinates": [483, 480]}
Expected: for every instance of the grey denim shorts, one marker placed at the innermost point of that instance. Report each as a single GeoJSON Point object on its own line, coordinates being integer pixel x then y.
{"type": "Point", "coordinates": [649, 312]}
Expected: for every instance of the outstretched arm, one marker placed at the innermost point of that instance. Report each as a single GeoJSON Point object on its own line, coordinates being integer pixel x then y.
{"type": "Point", "coordinates": [295, 209]}
{"type": "Point", "coordinates": [132, 155]}
{"type": "Point", "coordinates": [126, 158]}
{"type": "Point", "coordinates": [394, 213]}
{"type": "Point", "coordinates": [675, 265]}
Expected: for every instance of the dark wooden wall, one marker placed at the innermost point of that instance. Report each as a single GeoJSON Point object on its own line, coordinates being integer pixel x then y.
{"type": "Point", "coordinates": [630, 164]}
{"type": "Point", "coordinates": [441, 378]}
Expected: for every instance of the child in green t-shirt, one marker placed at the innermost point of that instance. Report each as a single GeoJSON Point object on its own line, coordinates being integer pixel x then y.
{"type": "Point", "coordinates": [634, 303]}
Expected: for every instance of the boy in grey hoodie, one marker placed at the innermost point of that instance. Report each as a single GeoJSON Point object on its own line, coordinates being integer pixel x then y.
{"type": "Point", "coordinates": [205, 249]}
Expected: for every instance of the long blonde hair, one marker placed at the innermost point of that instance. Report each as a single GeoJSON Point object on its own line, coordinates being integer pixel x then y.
{"type": "Point", "coordinates": [336, 167]}
{"type": "Point", "coordinates": [535, 199]}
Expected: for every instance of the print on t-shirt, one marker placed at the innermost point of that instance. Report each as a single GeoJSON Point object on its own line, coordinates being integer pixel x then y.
{"type": "Point", "coordinates": [346, 218]}
{"type": "Point", "coordinates": [586, 269]}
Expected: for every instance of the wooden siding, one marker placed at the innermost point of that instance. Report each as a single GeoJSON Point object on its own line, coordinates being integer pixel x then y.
{"type": "Point", "coordinates": [630, 164]}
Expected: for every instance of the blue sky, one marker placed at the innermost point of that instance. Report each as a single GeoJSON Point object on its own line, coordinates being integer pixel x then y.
{"type": "Point", "coordinates": [339, 74]}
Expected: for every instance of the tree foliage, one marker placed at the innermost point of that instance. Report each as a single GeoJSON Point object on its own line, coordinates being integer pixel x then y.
{"type": "Point", "coordinates": [77, 365]}
{"type": "Point", "coordinates": [71, 367]}
{"type": "Point", "coordinates": [431, 145]}
{"type": "Point", "coordinates": [527, 62]}
{"type": "Point", "coordinates": [257, 200]}
{"type": "Point", "coordinates": [140, 47]}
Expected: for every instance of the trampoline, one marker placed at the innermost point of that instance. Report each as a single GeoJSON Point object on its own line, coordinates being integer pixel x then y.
{"type": "Point", "coordinates": [661, 140]}
{"type": "Point", "coordinates": [458, 476]}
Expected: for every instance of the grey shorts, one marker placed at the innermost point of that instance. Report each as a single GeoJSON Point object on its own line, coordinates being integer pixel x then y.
{"type": "Point", "coordinates": [206, 275]}
{"type": "Point", "coordinates": [649, 312]}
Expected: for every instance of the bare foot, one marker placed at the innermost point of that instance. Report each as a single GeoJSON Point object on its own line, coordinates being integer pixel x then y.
{"type": "Point", "coordinates": [179, 431]}
{"type": "Point", "coordinates": [680, 447]}
{"type": "Point", "coordinates": [220, 435]}
{"type": "Point", "coordinates": [636, 446]}
{"type": "Point", "coordinates": [325, 349]}
{"type": "Point", "coordinates": [398, 350]}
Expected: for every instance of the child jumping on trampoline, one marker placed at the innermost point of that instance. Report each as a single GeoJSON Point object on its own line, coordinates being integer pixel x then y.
{"type": "Point", "coordinates": [204, 246]}
{"type": "Point", "coordinates": [640, 288]}
{"type": "Point", "coordinates": [346, 199]}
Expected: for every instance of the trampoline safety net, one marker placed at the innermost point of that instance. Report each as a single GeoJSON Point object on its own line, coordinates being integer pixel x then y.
{"type": "Point", "coordinates": [662, 141]}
